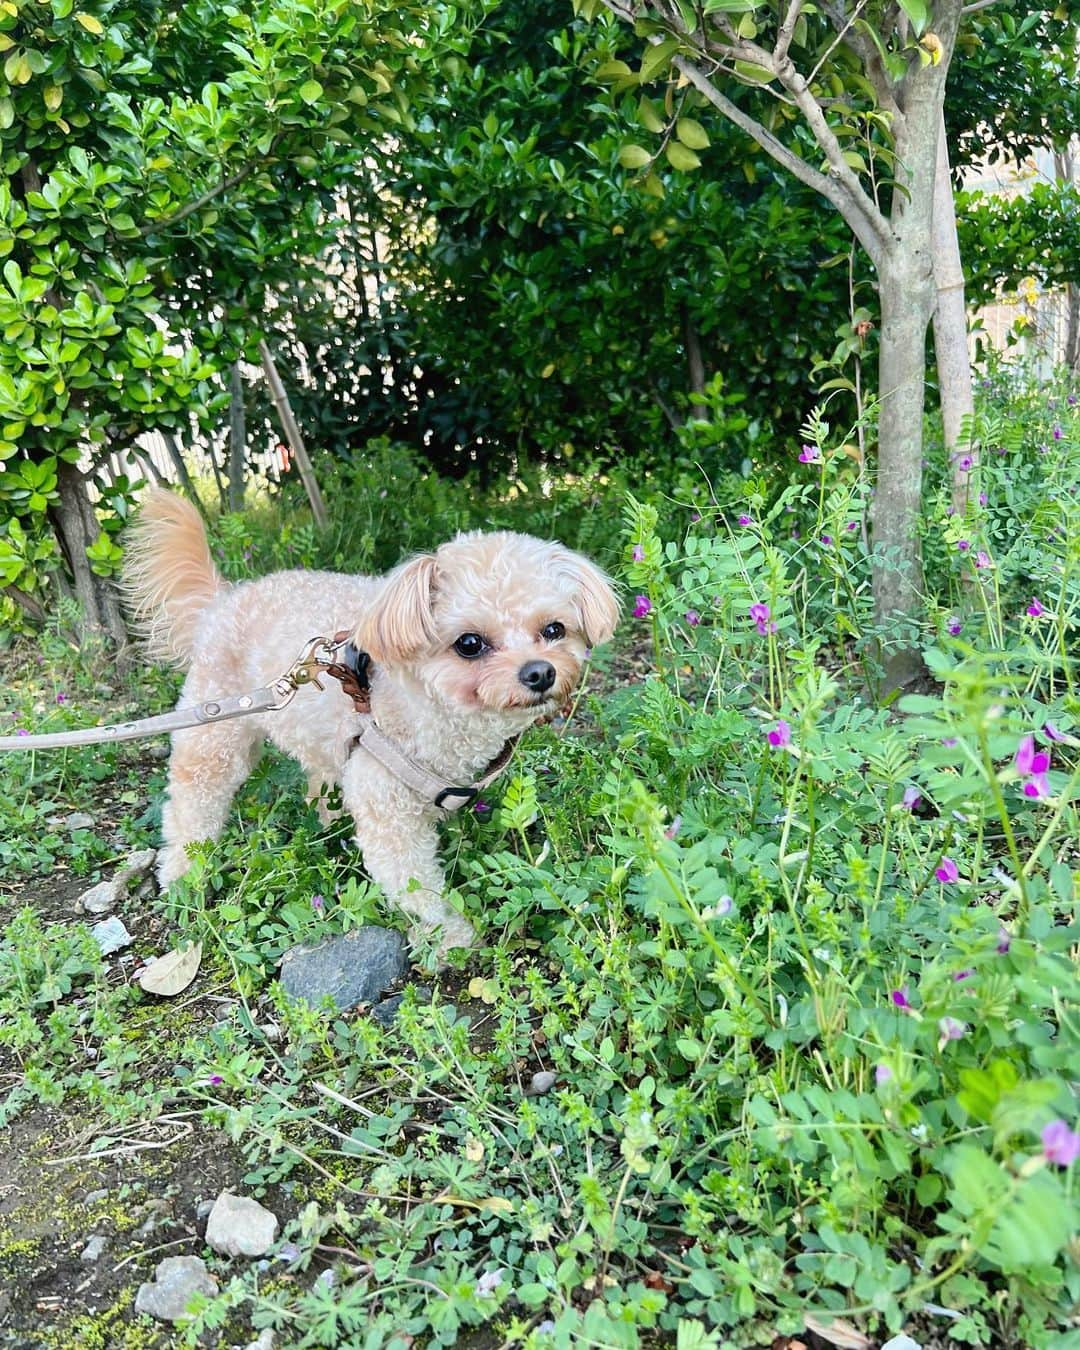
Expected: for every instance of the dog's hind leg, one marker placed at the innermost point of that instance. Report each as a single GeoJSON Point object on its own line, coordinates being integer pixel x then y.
{"type": "Point", "coordinates": [207, 766]}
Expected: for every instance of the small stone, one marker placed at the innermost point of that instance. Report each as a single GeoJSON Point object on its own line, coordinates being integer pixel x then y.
{"type": "Point", "coordinates": [176, 1280]}
{"type": "Point", "coordinates": [240, 1226]}
{"type": "Point", "coordinates": [271, 1030]}
{"type": "Point", "coordinates": [95, 1197]}
{"type": "Point", "coordinates": [203, 1208]}
{"type": "Point", "coordinates": [902, 1342]}
{"type": "Point", "coordinates": [158, 750]}
{"type": "Point", "coordinates": [94, 1248]}
{"type": "Point", "coordinates": [263, 1341]}
{"type": "Point", "coordinates": [101, 898]}
{"type": "Point", "coordinates": [79, 820]}
{"type": "Point", "coordinates": [540, 1083]}
{"type": "Point", "coordinates": [354, 968]}
{"type": "Point", "coordinates": [110, 935]}
{"type": "Point", "coordinates": [385, 1012]}
{"type": "Point", "coordinates": [136, 866]}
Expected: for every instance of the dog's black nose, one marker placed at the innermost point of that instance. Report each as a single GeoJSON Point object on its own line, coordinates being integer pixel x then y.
{"type": "Point", "coordinates": [538, 676]}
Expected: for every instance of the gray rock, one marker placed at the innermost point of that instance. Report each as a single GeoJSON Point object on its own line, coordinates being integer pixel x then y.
{"type": "Point", "coordinates": [355, 968]}
{"type": "Point", "coordinates": [158, 750]}
{"type": "Point", "coordinates": [902, 1341]}
{"type": "Point", "coordinates": [175, 1281]}
{"type": "Point", "coordinates": [385, 1012]}
{"type": "Point", "coordinates": [95, 1197]}
{"type": "Point", "coordinates": [203, 1208]}
{"type": "Point", "coordinates": [540, 1083]}
{"type": "Point", "coordinates": [101, 898]}
{"type": "Point", "coordinates": [263, 1341]}
{"type": "Point", "coordinates": [136, 866]}
{"type": "Point", "coordinates": [239, 1226]}
{"type": "Point", "coordinates": [94, 1248]}
{"type": "Point", "coordinates": [79, 820]}
{"type": "Point", "coordinates": [110, 935]}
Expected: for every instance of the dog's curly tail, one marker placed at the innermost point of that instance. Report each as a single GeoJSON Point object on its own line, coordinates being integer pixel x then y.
{"type": "Point", "coordinates": [168, 576]}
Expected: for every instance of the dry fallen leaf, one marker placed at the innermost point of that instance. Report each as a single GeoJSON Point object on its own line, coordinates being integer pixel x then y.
{"type": "Point", "coordinates": [172, 973]}
{"type": "Point", "coordinates": [474, 1148]}
{"type": "Point", "coordinates": [838, 1332]}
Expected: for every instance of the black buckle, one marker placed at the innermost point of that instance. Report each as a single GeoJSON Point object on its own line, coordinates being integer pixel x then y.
{"type": "Point", "coordinates": [469, 794]}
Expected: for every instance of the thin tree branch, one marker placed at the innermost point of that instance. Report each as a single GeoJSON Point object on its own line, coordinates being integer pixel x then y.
{"type": "Point", "coordinates": [787, 30]}
{"type": "Point", "coordinates": [871, 229]}
{"type": "Point", "coordinates": [978, 5]}
{"type": "Point", "coordinates": [226, 184]}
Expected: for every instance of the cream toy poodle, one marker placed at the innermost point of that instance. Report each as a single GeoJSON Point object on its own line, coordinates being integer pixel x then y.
{"type": "Point", "coordinates": [465, 647]}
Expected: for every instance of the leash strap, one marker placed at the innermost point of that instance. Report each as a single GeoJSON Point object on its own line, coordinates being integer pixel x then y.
{"type": "Point", "coordinates": [199, 714]}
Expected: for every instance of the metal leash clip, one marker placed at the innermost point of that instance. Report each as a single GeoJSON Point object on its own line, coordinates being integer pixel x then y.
{"type": "Point", "coordinates": [306, 669]}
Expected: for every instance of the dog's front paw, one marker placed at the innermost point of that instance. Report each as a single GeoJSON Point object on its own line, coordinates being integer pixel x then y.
{"type": "Point", "coordinates": [448, 931]}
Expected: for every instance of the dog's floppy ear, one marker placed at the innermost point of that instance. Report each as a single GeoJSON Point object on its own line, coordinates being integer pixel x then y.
{"type": "Point", "coordinates": [597, 604]}
{"type": "Point", "coordinates": [400, 623]}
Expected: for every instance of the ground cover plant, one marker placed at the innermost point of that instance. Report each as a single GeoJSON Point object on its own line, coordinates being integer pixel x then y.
{"type": "Point", "coordinates": [774, 1033]}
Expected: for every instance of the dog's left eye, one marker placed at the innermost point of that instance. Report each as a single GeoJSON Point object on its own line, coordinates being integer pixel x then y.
{"type": "Point", "coordinates": [470, 646]}
{"type": "Point", "coordinates": [553, 632]}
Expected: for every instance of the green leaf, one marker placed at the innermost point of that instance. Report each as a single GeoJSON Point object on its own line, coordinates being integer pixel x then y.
{"type": "Point", "coordinates": [917, 12]}
{"type": "Point", "coordinates": [90, 23]}
{"type": "Point", "coordinates": [310, 91]}
{"type": "Point", "coordinates": [679, 157]}
{"type": "Point", "coordinates": [657, 58]}
{"type": "Point", "coordinates": [751, 73]}
{"type": "Point", "coordinates": [634, 157]}
{"type": "Point", "coordinates": [692, 134]}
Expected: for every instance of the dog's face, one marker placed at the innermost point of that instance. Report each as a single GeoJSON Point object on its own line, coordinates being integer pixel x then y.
{"type": "Point", "coordinates": [498, 622]}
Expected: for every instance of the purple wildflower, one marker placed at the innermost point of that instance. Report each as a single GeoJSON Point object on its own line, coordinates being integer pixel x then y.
{"type": "Point", "coordinates": [882, 1074]}
{"type": "Point", "coordinates": [951, 1030]}
{"type": "Point", "coordinates": [911, 798]}
{"type": "Point", "coordinates": [61, 698]}
{"type": "Point", "coordinates": [642, 606]}
{"type": "Point", "coordinates": [481, 807]}
{"type": "Point", "coordinates": [215, 1080]}
{"type": "Point", "coordinates": [761, 616]}
{"type": "Point", "coordinates": [810, 454]}
{"type": "Point", "coordinates": [692, 617]}
{"type": "Point", "coordinates": [1004, 941]}
{"type": "Point", "coordinates": [983, 499]}
{"type": "Point", "coordinates": [900, 997]}
{"type": "Point", "coordinates": [963, 545]}
{"type": "Point", "coordinates": [827, 539]}
{"type": "Point", "coordinates": [674, 828]}
{"type": "Point", "coordinates": [317, 903]}
{"type": "Point", "coordinates": [723, 907]}
{"type": "Point", "coordinates": [959, 975]}
{"type": "Point", "coordinates": [982, 559]}
{"type": "Point", "coordinates": [779, 736]}
{"type": "Point", "coordinates": [1058, 433]}
{"type": "Point", "coordinates": [695, 516]}
{"type": "Point", "coordinates": [1033, 765]}
{"type": "Point", "coordinates": [1034, 610]}
{"type": "Point", "coordinates": [745, 520]}
{"type": "Point", "coordinates": [21, 731]}
{"type": "Point", "coordinates": [639, 553]}
{"type": "Point", "coordinates": [964, 463]}
{"type": "Point", "coordinates": [1051, 733]}
{"type": "Point", "coordinates": [954, 627]}
{"type": "Point", "coordinates": [1060, 1144]}
{"type": "Point", "coordinates": [949, 741]}
{"type": "Point", "coordinates": [852, 525]}
{"type": "Point", "coordinates": [947, 872]}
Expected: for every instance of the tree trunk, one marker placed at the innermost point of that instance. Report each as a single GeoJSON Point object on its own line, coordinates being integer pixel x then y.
{"type": "Point", "coordinates": [292, 435]}
{"type": "Point", "coordinates": [951, 333]}
{"type": "Point", "coordinates": [237, 440]}
{"type": "Point", "coordinates": [76, 529]}
{"type": "Point", "coordinates": [695, 364]}
{"type": "Point", "coordinates": [1072, 326]}
{"type": "Point", "coordinates": [177, 457]}
{"type": "Point", "coordinates": [897, 557]}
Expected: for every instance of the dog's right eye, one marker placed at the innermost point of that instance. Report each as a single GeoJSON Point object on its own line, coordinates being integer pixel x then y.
{"type": "Point", "coordinates": [470, 646]}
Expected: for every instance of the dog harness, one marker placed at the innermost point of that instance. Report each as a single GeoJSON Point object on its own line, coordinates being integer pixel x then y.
{"type": "Point", "coordinates": [352, 670]}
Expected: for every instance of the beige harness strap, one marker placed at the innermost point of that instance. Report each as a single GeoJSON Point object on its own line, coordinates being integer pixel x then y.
{"type": "Point", "coordinates": [421, 780]}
